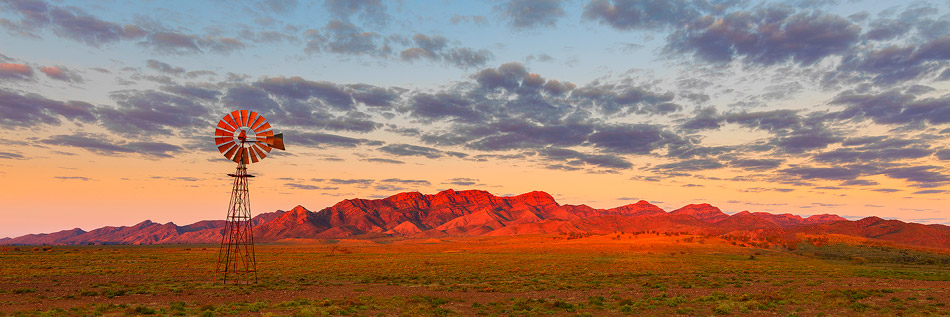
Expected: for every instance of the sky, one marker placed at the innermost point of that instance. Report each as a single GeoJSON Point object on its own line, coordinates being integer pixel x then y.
{"type": "Point", "coordinates": [801, 106]}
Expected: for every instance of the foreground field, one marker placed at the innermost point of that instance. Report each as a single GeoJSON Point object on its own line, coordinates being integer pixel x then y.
{"type": "Point", "coordinates": [599, 275]}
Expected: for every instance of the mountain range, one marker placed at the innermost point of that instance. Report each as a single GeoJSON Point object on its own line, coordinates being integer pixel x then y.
{"type": "Point", "coordinates": [479, 213]}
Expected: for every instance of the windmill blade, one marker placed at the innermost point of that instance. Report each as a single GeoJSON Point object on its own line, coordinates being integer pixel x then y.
{"type": "Point", "coordinates": [263, 127]}
{"type": "Point", "coordinates": [223, 140]}
{"type": "Point", "coordinates": [230, 153]}
{"type": "Point", "coordinates": [260, 143]}
{"type": "Point", "coordinates": [226, 147]}
{"type": "Point", "coordinates": [244, 118]}
{"type": "Point", "coordinates": [257, 149]}
{"type": "Point", "coordinates": [220, 132]}
{"type": "Point", "coordinates": [244, 155]}
{"type": "Point", "coordinates": [252, 116]}
{"type": "Point", "coordinates": [260, 119]}
{"type": "Point", "coordinates": [224, 126]}
{"type": "Point", "coordinates": [229, 120]}
{"type": "Point", "coordinates": [253, 155]}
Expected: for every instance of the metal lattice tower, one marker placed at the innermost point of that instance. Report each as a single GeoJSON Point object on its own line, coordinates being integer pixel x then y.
{"type": "Point", "coordinates": [236, 259]}
{"type": "Point", "coordinates": [244, 137]}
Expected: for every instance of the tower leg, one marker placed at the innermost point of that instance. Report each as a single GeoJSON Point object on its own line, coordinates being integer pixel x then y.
{"type": "Point", "coordinates": [236, 261]}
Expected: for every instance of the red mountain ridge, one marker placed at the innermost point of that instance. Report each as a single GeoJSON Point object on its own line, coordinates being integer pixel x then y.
{"type": "Point", "coordinates": [476, 213]}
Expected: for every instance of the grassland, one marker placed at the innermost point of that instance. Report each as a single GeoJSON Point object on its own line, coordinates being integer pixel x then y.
{"type": "Point", "coordinates": [598, 275]}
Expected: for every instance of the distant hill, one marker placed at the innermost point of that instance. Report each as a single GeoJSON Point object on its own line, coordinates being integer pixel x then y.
{"type": "Point", "coordinates": [476, 213]}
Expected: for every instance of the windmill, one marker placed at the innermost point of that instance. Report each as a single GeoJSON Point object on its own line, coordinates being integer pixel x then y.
{"type": "Point", "coordinates": [244, 137]}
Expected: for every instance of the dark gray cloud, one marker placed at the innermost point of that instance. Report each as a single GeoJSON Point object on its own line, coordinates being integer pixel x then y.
{"type": "Point", "coordinates": [415, 150]}
{"type": "Point", "coordinates": [575, 158]}
{"type": "Point", "coordinates": [807, 139]}
{"type": "Point", "coordinates": [769, 35]}
{"type": "Point", "coordinates": [104, 145]}
{"type": "Point", "coordinates": [443, 106]}
{"type": "Point", "coordinates": [690, 165]}
{"type": "Point", "coordinates": [462, 181]}
{"type": "Point", "coordinates": [346, 38]}
{"type": "Point", "coordinates": [623, 99]}
{"type": "Point", "coordinates": [80, 178]}
{"type": "Point", "coordinates": [703, 119]}
{"type": "Point", "coordinates": [930, 191]}
{"type": "Point", "coordinates": [475, 19]}
{"type": "Point", "coordinates": [530, 14]}
{"type": "Point", "coordinates": [69, 22]}
{"type": "Point", "coordinates": [756, 164]}
{"type": "Point", "coordinates": [11, 156]}
{"type": "Point", "coordinates": [194, 91]}
{"type": "Point", "coordinates": [645, 14]}
{"type": "Point", "coordinates": [926, 174]}
{"type": "Point", "coordinates": [316, 139]}
{"type": "Point", "coordinates": [298, 102]}
{"type": "Point", "coordinates": [830, 173]}
{"type": "Point", "coordinates": [299, 89]}
{"type": "Point", "coordinates": [894, 107]}
{"type": "Point", "coordinates": [897, 63]}
{"type": "Point", "coordinates": [371, 12]}
{"type": "Point", "coordinates": [361, 181]}
{"type": "Point", "coordinates": [31, 109]}
{"type": "Point", "coordinates": [382, 160]}
{"type": "Point", "coordinates": [859, 182]}
{"type": "Point", "coordinates": [435, 48]}
{"type": "Point", "coordinates": [164, 67]}
{"type": "Point", "coordinates": [307, 186]}
{"type": "Point", "coordinates": [419, 182]}
{"type": "Point", "coordinates": [633, 138]}
{"type": "Point", "coordinates": [152, 112]}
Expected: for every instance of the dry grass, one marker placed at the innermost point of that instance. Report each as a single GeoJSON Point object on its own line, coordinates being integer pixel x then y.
{"type": "Point", "coordinates": [607, 274]}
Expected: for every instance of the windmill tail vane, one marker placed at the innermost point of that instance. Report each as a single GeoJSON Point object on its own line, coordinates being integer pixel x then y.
{"type": "Point", "coordinates": [244, 137]}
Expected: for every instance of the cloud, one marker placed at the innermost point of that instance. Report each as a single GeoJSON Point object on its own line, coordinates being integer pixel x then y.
{"type": "Point", "coordinates": [930, 191]}
{"type": "Point", "coordinates": [435, 48]}
{"type": "Point", "coordinates": [756, 164]}
{"type": "Point", "coordinates": [919, 174]}
{"type": "Point", "coordinates": [372, 12]}
{"type": "Point", "coordinates": [530, 14]}
{"type": "Point", "coordinates": [831, 173]}
{"type": "Point", "coordinates": [689, 165]}
{"type": "Point", "coordinates": [575, 158]}
{"type": "Point", "coordinates": [316, 139]}
{"type": "Point", "coordinates": [31, 110]}
{"type": "Point", "coordinates": [415, 150]}
{"type": "Point", "coordinates": [766, 36]}
{"type": "Point", "coordinates": [364, 182]}
{"type": "Point", "coordinates": [61, 73]}
{"type": "Point", "coordinates": [644, 15]}
{"type": "Point", "coordinates": [474, 19]}
{"type": "Point", "coordinates": [420, 182]}
{"type": "Point", "coordinates": [10, 71]}
{"type": "Point", "coordinates": [896, 63]}
{"type": "Point", "coordinates": [306, 187]}
{"type": "Point", "coordinates": [11, 156]}
{"type": "Point", "coordinates": [461, 181]}
{"type": "Point", "coordinates": [633, 138]}
{"type": "Point", "coordinates": [80, 178]}
{"type": "Point", "coordinates": [154, 112]}
{"type": "Point", "coordinates": [894, 107]}
{"type": "Point", "coordinates": [382, 160]}
{"type": "Point", "coordinates": [164, 67]}
{"type": "Point", "coordinates": [104, 145]}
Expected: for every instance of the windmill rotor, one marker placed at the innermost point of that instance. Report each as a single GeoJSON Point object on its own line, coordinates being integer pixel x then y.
{"type": "Point", "coordinates": [244, 136]}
